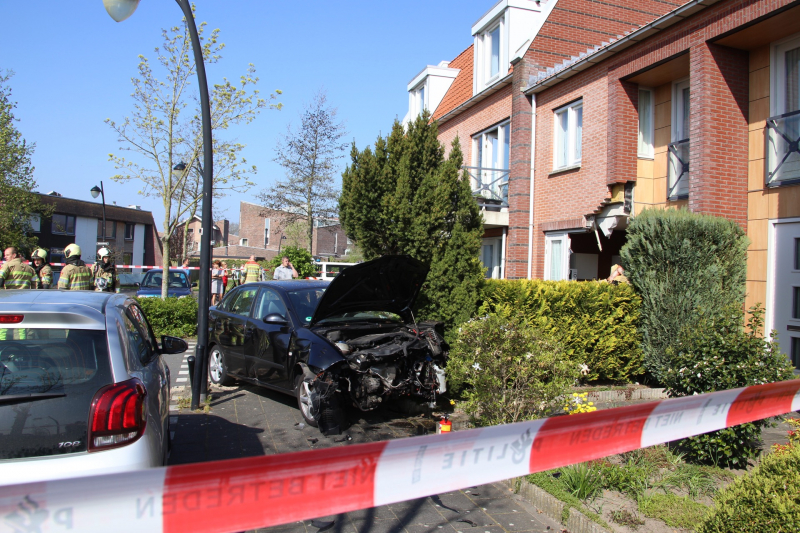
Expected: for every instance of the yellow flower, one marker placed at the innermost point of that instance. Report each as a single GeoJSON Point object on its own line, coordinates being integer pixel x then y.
{"type": "Point", "coordinates": [452, 402]}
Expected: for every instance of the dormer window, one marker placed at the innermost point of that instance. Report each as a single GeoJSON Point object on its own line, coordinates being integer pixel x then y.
{"type": "Point", "coordinates": [494, 51]}
{"type": "Point", "coordinates": [426, 89]}
{"type": "Point", "coordinates": [490, 55]}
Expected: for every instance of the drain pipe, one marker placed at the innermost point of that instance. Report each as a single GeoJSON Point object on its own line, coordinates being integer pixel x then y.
{"type": "Point", "coordinates": [533, 175]}
{"type": "Point", "coordinates": [503, 253]}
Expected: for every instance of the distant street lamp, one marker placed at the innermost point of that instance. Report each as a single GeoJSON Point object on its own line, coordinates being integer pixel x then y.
{"type": "Point", "coordinates": [98, 191]}
{"type": "Point", "coordinates": [119, 11]}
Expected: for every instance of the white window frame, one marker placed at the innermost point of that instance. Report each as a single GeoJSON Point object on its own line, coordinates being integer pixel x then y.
{"type": "Point", "coordinates": [35, 222]}
{"type": "Point", "coordinates": [243, 241]}
{"type": "Point", "coordinates": [493, 271]}
{"type": "Point", "coordinates": [266, 232]}
{"type": "Point", "coordinates": [417, 103]}
{"type": "Point", "coordinates": [483, 54]}
{"type": "Point", "coordinates": [778, 73]}
{"type": "Point", "coordinates": [574, 139]}
{"type": "Point", "coordinates": [484, 156]}
{"type": "Point", "coordinates": [549, 238]}
{"type": "Point", "coordinates": [678, 108]}
{"type": "Point", "coordinates": [646, 146]}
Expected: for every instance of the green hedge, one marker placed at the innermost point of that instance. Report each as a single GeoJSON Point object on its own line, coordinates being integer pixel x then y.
{"type": "Point", "coordinates": [765, 499]}
{"type": "Point", "coordinates": [595, 321]}
{"type": "Point", "coordinates": [172, 316]}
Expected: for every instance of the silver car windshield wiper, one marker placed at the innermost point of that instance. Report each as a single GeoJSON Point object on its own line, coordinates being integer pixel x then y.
{"type": "Point", "coordinates": [11, 398]}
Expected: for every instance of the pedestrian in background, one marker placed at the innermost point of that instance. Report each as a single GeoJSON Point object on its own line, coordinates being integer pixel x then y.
{"type": "Point", "coordinates": [252, 270]}
{"type": "Point", "coordinates": [216, 283]}
{"type": "Point", "coordinates": [224, 266]}
{"type": "Point", "coordinates": [44, 272]}
{"type": "Point", "coordinates": [286, 270]}
{"type": "Point", "coordinates": [76, 276]}
{"type": "Point", "coordinates": [104, 272]}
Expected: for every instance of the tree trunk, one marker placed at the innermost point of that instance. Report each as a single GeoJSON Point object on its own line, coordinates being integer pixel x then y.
{"type": "Point", "coordinates": [310, 230]}
{"type": "Point", "coordinates": [165, 256]}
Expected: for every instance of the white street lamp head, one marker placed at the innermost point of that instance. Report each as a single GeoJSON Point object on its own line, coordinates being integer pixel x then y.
{"type": "Point", "coordinates": [95, 191]}
{"type": "Point", "coordinates": [120, 9]}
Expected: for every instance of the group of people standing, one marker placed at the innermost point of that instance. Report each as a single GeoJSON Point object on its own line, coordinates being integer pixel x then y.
{"type": "Point", "coordinates": [16, 273]}
{"type": "Point", "coordinates": [249, 272]}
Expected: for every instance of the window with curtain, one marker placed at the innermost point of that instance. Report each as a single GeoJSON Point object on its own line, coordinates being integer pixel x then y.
{"type": "Point", "coordinates": [646, 123]}
{"type": "Point", "coordinates": [494, 67]}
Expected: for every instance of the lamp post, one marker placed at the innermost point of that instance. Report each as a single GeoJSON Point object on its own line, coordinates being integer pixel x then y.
{"type": "Point", "coordinates": [119, 11]}
{"type": "Point", "coordinates": [99, 191]}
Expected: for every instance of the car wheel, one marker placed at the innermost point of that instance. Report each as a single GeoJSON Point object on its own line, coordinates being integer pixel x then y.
{"type": "Point", "coordinates": [302, 390]}
{"type": "Point", "coordinates": [217, 369]}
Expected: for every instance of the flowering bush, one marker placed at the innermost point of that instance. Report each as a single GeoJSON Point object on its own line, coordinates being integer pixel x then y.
{"type": "Point", "coordinates": [579, 404]}
{"type": "Point", "coordinates": [716, 353]}
{"type": "Point", "coordinates": [508, 370]}
{"type": "Point", "coordinates": [794, 437]}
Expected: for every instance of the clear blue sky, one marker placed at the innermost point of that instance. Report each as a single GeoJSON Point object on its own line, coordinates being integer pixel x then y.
{"type": "Point", "coordinates": [73, 67]}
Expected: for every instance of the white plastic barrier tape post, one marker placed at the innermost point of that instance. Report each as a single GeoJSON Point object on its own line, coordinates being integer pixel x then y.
{"type": "Point", "coordinates": [241, 494]}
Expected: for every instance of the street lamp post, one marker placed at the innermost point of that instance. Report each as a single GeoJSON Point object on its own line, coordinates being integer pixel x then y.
{"type": "Point", "coordinates": [99, 191]}
{"type": "Point", "coordinates": [119, 11]}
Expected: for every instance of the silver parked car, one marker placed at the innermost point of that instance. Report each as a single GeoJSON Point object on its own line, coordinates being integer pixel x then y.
{"type": "Point", "coordinates": [83, 387]}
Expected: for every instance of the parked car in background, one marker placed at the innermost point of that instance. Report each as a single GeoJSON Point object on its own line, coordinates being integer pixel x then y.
{"type": "Point", "coordinates": [327, 270]}
{"type": "Point", "coordinates": [350, 341]}
{"type": "Point", "coordinates": [83, 387]}
{"type": "Point", "coordinates": [150, 286]}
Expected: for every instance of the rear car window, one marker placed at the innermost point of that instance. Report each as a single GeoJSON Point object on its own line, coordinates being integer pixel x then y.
{"type": "Point", "coordinates": [48, 378]}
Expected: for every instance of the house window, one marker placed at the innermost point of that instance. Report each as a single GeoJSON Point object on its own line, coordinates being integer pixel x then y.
{"type": "Point", "coordinates": [491, 257]}
{"type": "Point", "coordinates": [56, 255]}
{"type": "Point", "coordinates": [111, 229]}
{"type": "Point", "coordinates": [556, 256]}
{"type": "Point", "coordinates": [35, 222]}
{"type": "Point", "coordinates": [568, 137]}
{"type": "Point", "coordinates": [783, 128]}
{"type": "Point", "coordinates": [490, 173]}
{"type": "Point", "coordinates": [243, 242]}
{"type": "Point", "coordinates": [646, 123]}
{"type": "Point", "coordinates": [63, 224]}
{"type": "Point", "coordinates": [490, 55]}
{"type": "Point", "coordinates": [678, 156]}
{"type": "Point", "coordinates": [129, 231]}
{"type": "Point", "coordinates": [266, 232]}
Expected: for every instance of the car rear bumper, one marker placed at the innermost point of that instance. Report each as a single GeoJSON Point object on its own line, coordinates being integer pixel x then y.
{"type": "Point", "coordinates": [144, 453]}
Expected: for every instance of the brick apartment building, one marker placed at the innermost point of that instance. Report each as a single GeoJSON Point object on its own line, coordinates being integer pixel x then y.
{"type": "Point", "coordinates": [130, 231]}
{"type": "Point", "coordinates": [262, 232]}
{"type": "Point", "coordinates": [194, 234]}
{"type": "Point", "coordinates": [615, 109]}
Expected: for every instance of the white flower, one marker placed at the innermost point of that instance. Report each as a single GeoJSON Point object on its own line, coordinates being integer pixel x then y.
{"type": "Point", "coordinates": [698, 375]}
{"type": "Point", "coordinates": [584, 369]}
{"type": "Point", "coordinates": [476, 366]}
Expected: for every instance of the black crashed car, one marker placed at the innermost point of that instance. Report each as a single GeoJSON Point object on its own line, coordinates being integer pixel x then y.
{"type": "Point", "coordinates": [353, 340]}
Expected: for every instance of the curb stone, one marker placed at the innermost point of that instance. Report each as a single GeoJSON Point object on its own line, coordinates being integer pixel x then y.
{"type": "Point", "coordinates": [552, 507]}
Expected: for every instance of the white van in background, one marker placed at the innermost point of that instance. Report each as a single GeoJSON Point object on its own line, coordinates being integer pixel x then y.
{"type": "Point", "coordinates": [329, 271]}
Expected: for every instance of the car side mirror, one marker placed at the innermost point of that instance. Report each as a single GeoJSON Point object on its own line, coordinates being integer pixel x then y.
{"type": "Point", "coordinates": [276, 318]}
{"type": "Point", "coordinates": [136, 283]}
{"type": "Point", "coordinates": [172, 345]}
{"type": "Point", "coordinates": [194, 284]}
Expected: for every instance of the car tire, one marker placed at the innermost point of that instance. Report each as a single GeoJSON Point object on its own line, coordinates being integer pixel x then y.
{"type": "Point", "coordinates": [217, 368]}
{"type": "Point", "coordinates": [302, 390]}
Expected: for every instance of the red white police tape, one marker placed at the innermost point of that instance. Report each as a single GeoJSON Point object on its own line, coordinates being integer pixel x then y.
{"type": "Point", "coordinates": [240, 494]}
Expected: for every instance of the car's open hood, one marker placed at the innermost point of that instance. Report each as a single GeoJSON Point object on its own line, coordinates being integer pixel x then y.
{"type": "Point", "coordinates": [390, 283]}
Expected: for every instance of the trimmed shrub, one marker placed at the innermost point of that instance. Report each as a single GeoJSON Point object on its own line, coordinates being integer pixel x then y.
{"type": "Point", "coordinates": [680, 262]}
{"type": "Point", "coordinates": [717, 353]}
{"type": "Point", "coordinates": [171, 316]}
{"type": "Point", "coordinates": [511, 372]}
{"type": "Point", "coordinates": [765, 499]}
{"type": "Point", "coordinates": [597, 323]}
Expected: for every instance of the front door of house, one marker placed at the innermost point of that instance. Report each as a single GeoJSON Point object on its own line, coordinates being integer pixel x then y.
{"type": "Point", "coordinates": [786, 288]}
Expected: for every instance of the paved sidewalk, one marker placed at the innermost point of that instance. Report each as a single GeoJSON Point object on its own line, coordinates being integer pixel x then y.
{"type": "Point", "coordinates": [246, 421]}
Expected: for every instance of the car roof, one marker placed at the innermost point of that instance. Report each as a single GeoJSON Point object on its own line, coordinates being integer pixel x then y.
{"type": "Point", "coordinates": [58, 308]}
{"type": "Point", "coordinates": [293, 285]}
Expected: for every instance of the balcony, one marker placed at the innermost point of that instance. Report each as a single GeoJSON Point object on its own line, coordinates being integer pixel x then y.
{"type": "Point", "coordinates": [678, 170]}
{"type": "Point", "coordinates": [783, 153]}
{"type": "Point", "coordinates": [489, 186]}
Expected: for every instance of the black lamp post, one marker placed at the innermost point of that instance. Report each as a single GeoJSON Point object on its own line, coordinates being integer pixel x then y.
{"type": "Point", "coordinates": [119, 11]}
{"type": "Point", "coordinates": [99, 191]}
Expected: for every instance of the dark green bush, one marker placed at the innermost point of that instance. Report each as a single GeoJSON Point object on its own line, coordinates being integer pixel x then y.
{"type": "Point", "coordinates": [765, 499]}
{"type": "Point", "coordinates": [718, 353]}
{"type": "Point", "coordinates": [595, 322]}
{"type": "Point", "coordinates": [680, 262]}
{"type": "Point", "coordinates": [172, 316]}
{"type": "Point", "coordinates": [510, 371]}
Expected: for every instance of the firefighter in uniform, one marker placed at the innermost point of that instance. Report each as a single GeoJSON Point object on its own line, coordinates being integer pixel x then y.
{"type": "Point", "coordinates": [104, 272]}
{"type": "Point", "coordinates": [252, 270]}
{"type": "Point", "coordinates": [44, 272]}
{"type": "Point", "coordinates": [76, 276]}
{"type": "Point", "coordinates": [14, 274]}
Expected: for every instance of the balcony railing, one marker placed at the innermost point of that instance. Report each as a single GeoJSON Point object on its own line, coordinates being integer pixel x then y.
{"type": "Point", "coordinates": [678, 170]}
{"type": "Point", "coordinates": [490, 184]}
{"type": "Point", "coordinates": [783, 152]}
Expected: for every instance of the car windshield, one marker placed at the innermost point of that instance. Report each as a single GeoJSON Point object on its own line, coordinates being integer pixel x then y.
{"type": "Point", "coordinates": [305, 302]}
{"type": "Point", "coordinates": [177, 280]}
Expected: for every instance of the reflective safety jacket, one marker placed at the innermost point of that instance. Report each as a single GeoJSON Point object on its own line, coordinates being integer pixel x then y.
{"type": "Point", "coordinates": [16, 274]}
{"type": "Point", "coordinates": [252, 271]}
{"type": "Point", "coordinates": [43, 277]}
{"type": "Point", "coordinates": [76, 278]}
